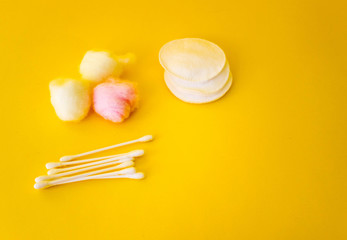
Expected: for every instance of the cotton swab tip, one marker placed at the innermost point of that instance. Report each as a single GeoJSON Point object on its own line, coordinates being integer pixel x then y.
{"type": "Point", "coordinates": [126, 164]}
{"type": "Point", "coordinates": [127, 171]}
{"type": "Point", "coordinates": [136, 153]}
{"type": "Point", "coordinates": [40, 185]}
{"type": "Point", "coordinates": [53, 165]}
{"type": "Point", "coordinates": [146, 138]}
{"type": "Point", "coordinates": [53, 171]}
{"type": "Point", "coordinates": [66, 158]}
{"type": "Point", "coordinates": [138, 175]}
{"type": "Point", "coordinates": [41, 178]}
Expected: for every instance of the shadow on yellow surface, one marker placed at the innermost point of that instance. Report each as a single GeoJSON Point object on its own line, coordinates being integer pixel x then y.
{"type": "Point", "coordinates": [267, 161]}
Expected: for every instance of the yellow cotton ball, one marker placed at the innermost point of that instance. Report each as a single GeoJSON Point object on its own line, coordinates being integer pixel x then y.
{"type": "Point", "coordinates": [70, 99]}
{"type": "Point", "coordinates": [96, 66]}
{"type": "Point", "coordinates": [99, 65]}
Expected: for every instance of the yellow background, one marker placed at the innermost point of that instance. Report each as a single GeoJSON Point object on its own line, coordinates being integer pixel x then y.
{"type": "Point", "coordinates": [267, 161]}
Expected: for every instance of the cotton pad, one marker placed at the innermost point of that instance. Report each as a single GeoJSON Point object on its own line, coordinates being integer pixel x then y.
{"type": "Point", "coordinates": [211, 86]}
{"type": "Point", "coordinates": [193, 96]}
{"type": "Point", "coordinates": [192, 59]}
{"type": "Point", "coordinates": [70, 99]}
{"type": "Point", "coordinates": [196, 70]}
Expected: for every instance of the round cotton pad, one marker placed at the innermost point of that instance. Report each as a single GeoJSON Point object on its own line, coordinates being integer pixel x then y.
{"type": "Point", "coordinates": [192, 59]}
{"type": "Point", "coordinates": [192, 96]}
{"type": "Point", "coordinates": [210, 86]}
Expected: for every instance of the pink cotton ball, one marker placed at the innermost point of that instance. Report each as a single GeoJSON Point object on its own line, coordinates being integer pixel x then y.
{"type": "Point", "coordinates": [114, 100]}
{"type": "Point", "coordinates": [125, 90]}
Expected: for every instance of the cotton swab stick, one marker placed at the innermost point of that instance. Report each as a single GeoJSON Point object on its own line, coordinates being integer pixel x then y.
{"type": "Point", "coordinates": [138, 175]}
{"type": "Point", "coordinates": [142, 139]}
{"type": "Point", "coordinates": [130, 172]}
{"type": "Point", "coordinates": [122, 165]}
{"type": "Point", "coordinates": [66, 169]}
{"type": "Point", "coordinates": [45, 184]}
{"type": "Point", "coordinates": [135, 153]}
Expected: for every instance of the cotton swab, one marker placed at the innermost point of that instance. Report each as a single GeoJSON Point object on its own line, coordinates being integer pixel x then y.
{"type": "Point", "coordinates": [45, 184]}
{"type": "Point", "coordinates": [58, 170]}
{"type": "Point", "coordinates": [135, 153]}
{"type": "Point", "coordinates": [122, 165]}
{"type": "Point", "coordinates": [60, 180]}
{"type": "Point", "coordinates": [138, 175]}
{"type": "Point", "coordinates": [130, 172]}
{"type": "Point", "coordinates": [142, 139]}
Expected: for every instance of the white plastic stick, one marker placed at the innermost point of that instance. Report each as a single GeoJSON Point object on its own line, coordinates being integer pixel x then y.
{"type": "Point", "coordinates": [135, 153]}
{"type": "Point", "coordinates": [125, 173]}
{"type": "Point", "coordinates": [130, 173]}
{"type": "Point", "coordinates": [66, 169]}
{"type": "Point", "coordinates": [138, 175]}
{"type": "Point", "coordinates": [49, 177]}
{"type": "Point", "coordinates": [142, 139]}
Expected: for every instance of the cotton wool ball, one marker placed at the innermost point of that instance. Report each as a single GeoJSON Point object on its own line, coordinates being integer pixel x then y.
{"type": "Point", "coordinates": [70, 99]}
{"type": "Point", "coordinates": [114, 100]}
{"type": "Point", "coordinates": [98, 65]}
{"type": "Point", "coordinates": [95, 66]}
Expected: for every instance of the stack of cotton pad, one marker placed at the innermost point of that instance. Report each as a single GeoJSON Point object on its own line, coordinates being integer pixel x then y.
{"type": "Point", "coordinates": [196, 70]}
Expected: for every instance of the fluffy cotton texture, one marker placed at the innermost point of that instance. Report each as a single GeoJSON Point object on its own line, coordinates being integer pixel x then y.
{"type": "Point", "coordinates": [192, 59]}
{"type": "Point", "coordinates": [114, 100]}
{"type": "Point", "coordinates": [70, 99]}
{"type": "Point", "coordinates": [97, 66]}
